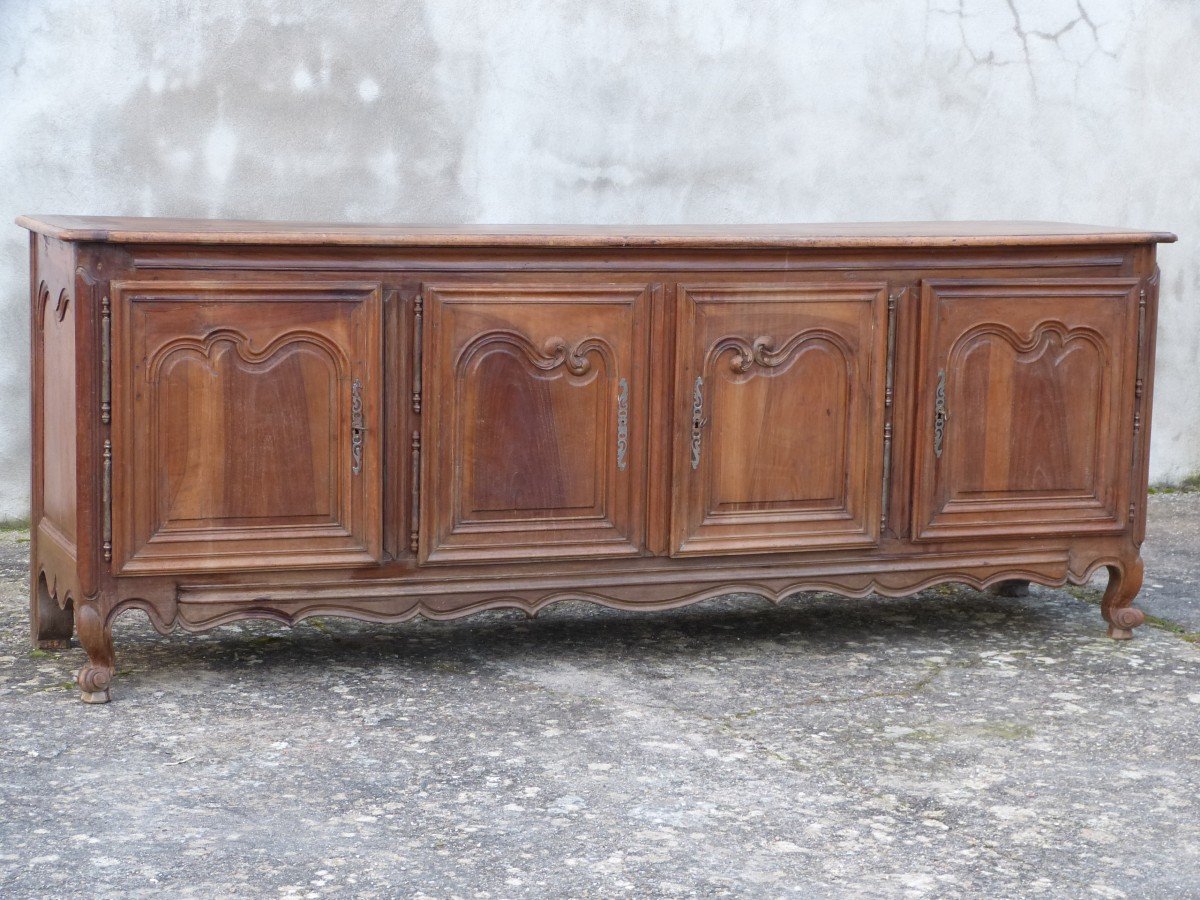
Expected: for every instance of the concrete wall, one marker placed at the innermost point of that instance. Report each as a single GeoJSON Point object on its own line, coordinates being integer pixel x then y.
{"type": "Point", "coordinates": [607, 111]}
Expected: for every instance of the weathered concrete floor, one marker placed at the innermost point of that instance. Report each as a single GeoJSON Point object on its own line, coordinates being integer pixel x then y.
{"type": "Point", "coordinates": [951, 745]}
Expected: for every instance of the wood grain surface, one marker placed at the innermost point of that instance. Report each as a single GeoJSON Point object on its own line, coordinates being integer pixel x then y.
{"type": "Point", "coordinates": [237, 419]}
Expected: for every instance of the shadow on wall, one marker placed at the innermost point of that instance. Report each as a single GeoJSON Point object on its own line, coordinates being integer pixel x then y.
{"type": "Point", "coordinates": [284, 126]}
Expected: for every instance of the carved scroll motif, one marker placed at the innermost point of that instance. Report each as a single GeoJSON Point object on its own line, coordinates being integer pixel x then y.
{"type": "Point", "coordinates": [575, 357]}
{"type": "Point", "coordinates": [555, 352]}
{"type": "Point", "coordinates": [761, 351]}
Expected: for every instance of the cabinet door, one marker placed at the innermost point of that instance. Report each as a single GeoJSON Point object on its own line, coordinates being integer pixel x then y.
{"type": "Point", "coordinates": [535, 425]}
{"type": "Point", "coordinates": [245, 425]}
{"type": "Point", "coordinates": [1025, 412]}
{"type": "Point", "coordinates": [780, 398]}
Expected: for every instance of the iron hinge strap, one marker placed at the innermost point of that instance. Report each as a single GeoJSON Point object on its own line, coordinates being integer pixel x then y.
{"type": "Point", "coordinates": [106, 494]}
{"type": "Point", "coordinates": [106, 419]}
{"type": "Point", "coordinates": [414, 533]}
{"type": "Point", "coordinates": [889, 384]}
{"type": "Point", "coordinates": [1140, 384]}
{"type": "Point", "coordinates": [1139, 389]}
{"type": "Point", "coordinates": [105, 360]}
{"type": "Point", "coordinates": [418, 315]}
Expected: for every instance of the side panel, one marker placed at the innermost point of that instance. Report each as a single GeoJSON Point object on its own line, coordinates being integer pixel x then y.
{"type": "Point", "coordinates": [55, 321]}
{"type": "Point", "coordinates": [54, 404]}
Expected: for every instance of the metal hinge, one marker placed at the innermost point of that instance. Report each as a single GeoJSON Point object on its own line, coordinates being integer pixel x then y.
{"type": "Point", "coordinates": [105, 361]}
{"type": "Point", "coordinates": [1139, 385]}
{"type": "Point", "coordinates": [889, 382]}
{"type": "Point", "coordinates": [418, 312]}
{"type": "Point", "coordinates": [414, 533]}
{"type": "Point", "coordinates": [106, 525]}
{"type": "Point", "coordinates": [106, 418]}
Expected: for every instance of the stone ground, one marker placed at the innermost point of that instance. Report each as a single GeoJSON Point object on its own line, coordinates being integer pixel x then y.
{"type": "Point", "coordinates": [951, 744]}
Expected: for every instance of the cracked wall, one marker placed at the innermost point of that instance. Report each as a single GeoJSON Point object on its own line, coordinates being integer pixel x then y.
{"type": "Point", "coordinates": [607, 111]}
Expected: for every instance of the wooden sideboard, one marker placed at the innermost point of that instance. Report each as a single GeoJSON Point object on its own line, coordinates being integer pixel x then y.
{"type": "Point", "coordinates": [237, 419]}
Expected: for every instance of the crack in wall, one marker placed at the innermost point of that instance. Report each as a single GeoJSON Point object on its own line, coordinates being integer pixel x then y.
{"type": "Point", "coordinates": [1026, 36]}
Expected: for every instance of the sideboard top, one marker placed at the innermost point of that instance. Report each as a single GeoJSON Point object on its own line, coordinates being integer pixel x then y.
{"type": "Point", "coordinates": [133, 230]}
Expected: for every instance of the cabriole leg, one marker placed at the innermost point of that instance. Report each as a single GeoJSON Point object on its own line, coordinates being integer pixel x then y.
{"type": "Point", "coordinates": [96, 638]}
{"type": "Point", "coordinates": [1123, 585]}
{"type": "Point", "coordinates": [50, 625]}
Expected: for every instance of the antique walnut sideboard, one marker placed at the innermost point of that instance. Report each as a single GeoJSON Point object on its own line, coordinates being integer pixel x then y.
{"type": "Point", "coordinates": [237, 419]}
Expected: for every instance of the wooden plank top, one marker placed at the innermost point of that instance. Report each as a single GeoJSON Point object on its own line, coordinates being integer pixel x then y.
{"type": "Point", "coordinates": [132, 230]}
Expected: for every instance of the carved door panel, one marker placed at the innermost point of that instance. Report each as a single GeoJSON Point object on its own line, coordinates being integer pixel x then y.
{"type": "Point", "coordinates": [780, 401]}
{"type": "Point", "coordinates": [246, 425]}
{"type": "Point", "coordinates": [534, 437]}
{"type": "Point", "coordinates": [1025, 407]}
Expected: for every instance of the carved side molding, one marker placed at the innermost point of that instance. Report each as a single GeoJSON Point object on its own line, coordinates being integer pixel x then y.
{"type": "Point", "coordinates": [61, 305]}
{"type": "Point", "coordinates": [41, 298]}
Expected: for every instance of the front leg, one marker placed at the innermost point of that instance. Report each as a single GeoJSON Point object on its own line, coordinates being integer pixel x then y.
{"type": "Point", "coordinates": [96, 637]}
{"type": "Point", "coordinates": [50, 625]}
{"type": "Point", "coordinates": [1123, 585]}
